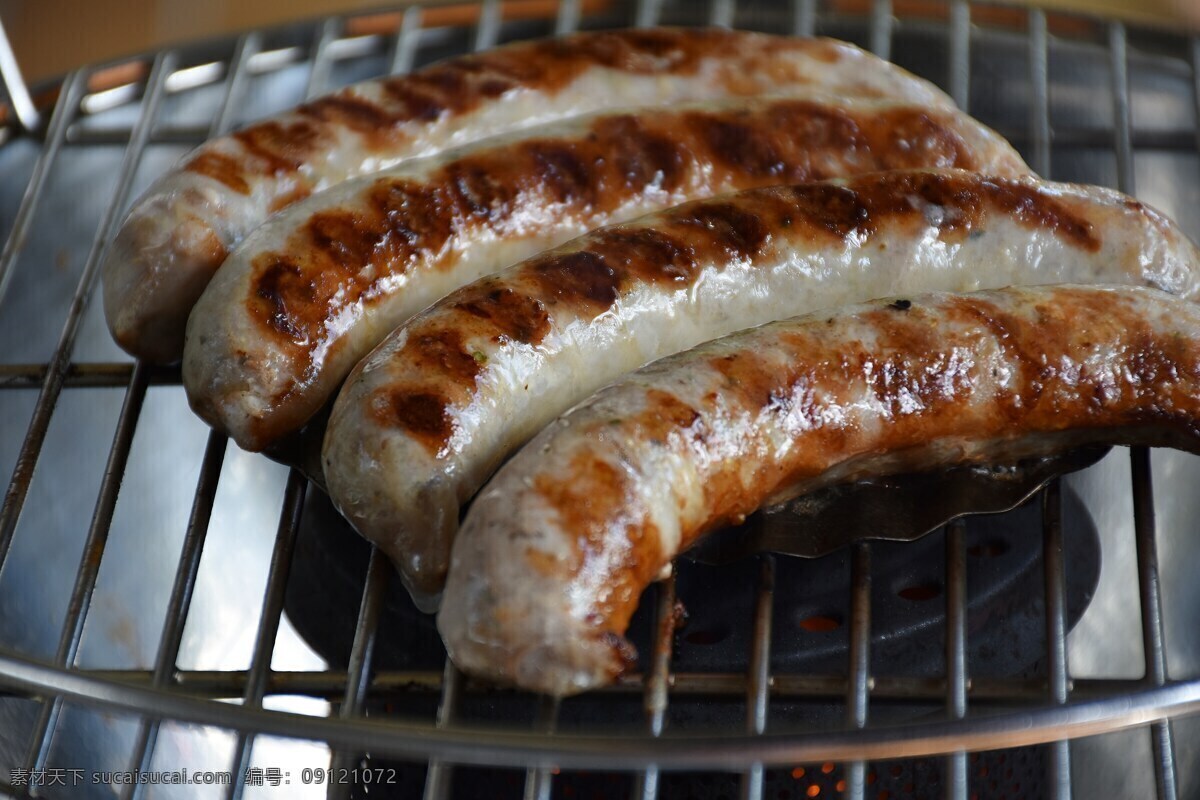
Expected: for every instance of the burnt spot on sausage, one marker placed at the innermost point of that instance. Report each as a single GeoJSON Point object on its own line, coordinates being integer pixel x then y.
{"type": "Point", "coordinates": [514, 316]}
{"type": "Point", "coordinates": [650, 253]}
{"type": "Point", "coordinates": [563, 173]}
{"type": "Point", "coordinates": [729, 229]}
{"type": "Point", "coordinates": [743, 146]}
{"type": "Point", "coordinates": [581, 278]}
{"type": "Point", "coordinates": [279, 148]}
{"type": "Point", "coordinates": [444, 354]}
{"type": "Point", "coordinates": [277, 278]}
{"type": "Point", "coordinates": [220, 167]}
{"type": "Point", "coordinates": [955, 203]}
{"type": "Point", "coordinates": [357, 114]}
{"type": "Point", "coordinates": [422, 414]}
{"type": "Point", "coordinates": [642, 155]}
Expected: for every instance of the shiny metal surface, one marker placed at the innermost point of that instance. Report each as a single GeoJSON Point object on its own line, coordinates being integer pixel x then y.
{"type": "Point", "coordinates": [152, 558]}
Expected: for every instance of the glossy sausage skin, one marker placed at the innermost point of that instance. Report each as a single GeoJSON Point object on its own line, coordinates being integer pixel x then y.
{"type": "Point", "coordinates": [557, 549]}
{"type": "Point", "coordinates": [434, 410]}
{"type": "Point", "coordinates": [310, 292]}
{"type": "Point", "coordinates": [183, 227]}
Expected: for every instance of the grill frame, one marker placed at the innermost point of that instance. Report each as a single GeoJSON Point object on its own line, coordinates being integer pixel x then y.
{"type": "Point", "coordinates": [166, 693]}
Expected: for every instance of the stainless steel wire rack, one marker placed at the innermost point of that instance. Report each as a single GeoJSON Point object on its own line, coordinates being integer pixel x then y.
{"type": "Point", "coordinates": [985, 55]}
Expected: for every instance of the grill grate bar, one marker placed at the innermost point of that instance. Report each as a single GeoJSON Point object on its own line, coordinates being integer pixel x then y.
{"type": "Point", "coordinates": [567, 19]}
{"type": "Point", "coordinates": [247, 45]}
{"type": "Point", "coordinates": [1152, 623]}
{"type": "Point", "coordinates": [89, 563]}
{"type": "Point", "coordinates": [184, 584]}
{"type": "Point", "coordinates": [68, 101]}
{"type": "Point", "coordinates": [540, 780]}
{"type": "Point", "coordinates": [959, 77]}
{"type": "Point", "coordinates": [488, 30]}
{"type": "Point", "coordinates": [804, 14]}
{"type": "Point", "coordinates": [181, 598]}
{"type": "Point", "coordinates": [656, 697]}
{"type": "Point", "coordinates": [647, 13]}
{"type": "Point", "coordinates": [331, 684]}
{"type": "Point", "coordinates": [1122, 125]}
{"type": "Point", "coordinates": [318, 75]}
{"type": "Point", "coordinates": [1039, 85]}
{"type": "Point", "coordinates": [39, 424]}
{"type": "Point", "coordinates": [14, 83]}
{"type": "Point", "coordinates": [722, 12]}
{"type": "Point", "coordinates": [758, 682]}
{"type": "Point", "coordinates": [268, 621]}
{"type": "Point", "coordinates": [358, 671]}
{"type": "Point", "coordinates": [881, 28]}
{"type": "Point", "coordinates": [858, 690]}
{"type": "Point", "coordinates": [440, 774]}
{"type": "Point", "coordinates": [1195, 52]}
{"type": "Point", "coordinates": [407, 42]}
{"type": "Point", "coordinates": [1058, 777]}
{"type": "Point", "coordinates": [956, 651]}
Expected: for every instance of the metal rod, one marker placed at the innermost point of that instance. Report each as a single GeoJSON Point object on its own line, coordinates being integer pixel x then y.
{"type": "Point", "coordinates": [358, 671]}
{"type": "Point", "coordinates": [35, 435]}
{"type": "Point", "coordinates": [647, 13]}
{"type": "Point", "coordinates": [408, 41]}
{"type": "Point", "coordinates": [14, 83]}
{"type": "Point", "coordinates": [955, 782]}
{"type": "Point", "coordinates": [488, 30]}
{"type": "Point", "coordinates": [656, 697]}
{"type": "Point", "coordinates": [758, 684]}
{"type": "Point", "coordinates": [64, 110]}
{"type": "Point", "coordinates": [1195, 50]}
{"type": "Point", "coordinates": [1058, 777]}
{"type": "Point", "coordinates": [1150, 591]}
{"type": "Point", "coordinates": [540, 780]}
{"type": "Point", "coordinates": [268, 623]}
{"type": "Point", "coordinates": [247, 45]}
{"type": "Point", "coordinates": [881, 28]}
{"type": "Point", "coordinates": [181, 598]}
{"type": "Point", "coordinates": [804, 12]}
{"type": "Point", "coordinates": [959, 67]}
{"type": "Point", "coordinates": [1039, 91]}
{"type": "Point", "coordinates": [724, 751]}
{"type": "Point", "coordinates": [858, 690]}
{"type": "Point", "coordinates": [318, 75]}
{"type": "Point", "coordinates": [89, 563]}
{"type": "Point", "coordinates": [1120, 99]}
{"type": "Point", "coordinates": [567, 19]}
{"type": "Point", "coordinates": [440, 775]}
{"type": "Point", "coordinates": [722, 12]}
{"type": "Point", "coordinates": [330, 685]}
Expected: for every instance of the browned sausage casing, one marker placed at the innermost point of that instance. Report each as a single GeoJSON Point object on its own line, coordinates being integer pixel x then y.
{"type": "Point", "coordinates": [556, 550]}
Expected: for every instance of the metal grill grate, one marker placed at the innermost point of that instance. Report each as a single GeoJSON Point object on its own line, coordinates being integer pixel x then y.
{"type": "Point", "coordinates": [165, 692]}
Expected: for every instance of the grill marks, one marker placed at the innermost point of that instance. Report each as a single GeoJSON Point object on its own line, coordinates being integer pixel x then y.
{"type": "Point", "coordinates": [397, 225]}
{"type": "Point", "coordinates": [585, 502]}
{"type": "Point", "coordinates": [590, 279]}
{"type": "Point", "coordinates": [459, 86]}
{"type": "Point", "coordinates": [1080, 358]}
{"type": "Point", "coordinates": [956, 204]}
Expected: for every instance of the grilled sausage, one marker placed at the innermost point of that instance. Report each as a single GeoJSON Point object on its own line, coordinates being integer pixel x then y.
{"type": "Point", "coordinates": [558, 547]}
{"type": "Point", "coordinates": [309, 293]}
{"type": "Point", "coordinates": [189, 220]}
{"type": "Point", "coordinates": [429, 415]}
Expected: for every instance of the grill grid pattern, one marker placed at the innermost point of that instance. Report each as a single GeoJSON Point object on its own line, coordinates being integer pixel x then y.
{"type": "Point", "coordinates": [359, 681]}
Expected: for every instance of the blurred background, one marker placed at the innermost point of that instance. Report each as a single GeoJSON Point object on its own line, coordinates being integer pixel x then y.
{"type": "Point", "coordinates": [52, 36]}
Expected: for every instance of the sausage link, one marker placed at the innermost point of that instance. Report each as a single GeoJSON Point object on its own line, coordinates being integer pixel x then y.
{"type": "Point", "coordinates": [310, 292]}
{"type": "Point", "coordinates": [427, 417]}
{"type": "Point", "coordinates": [183, 227]}
{"type": "Point", "coordinates": [557, 549]}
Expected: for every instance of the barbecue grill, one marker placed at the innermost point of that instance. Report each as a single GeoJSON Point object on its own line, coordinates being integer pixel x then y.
{"type": "Point", "coordinates": [883, 670]}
